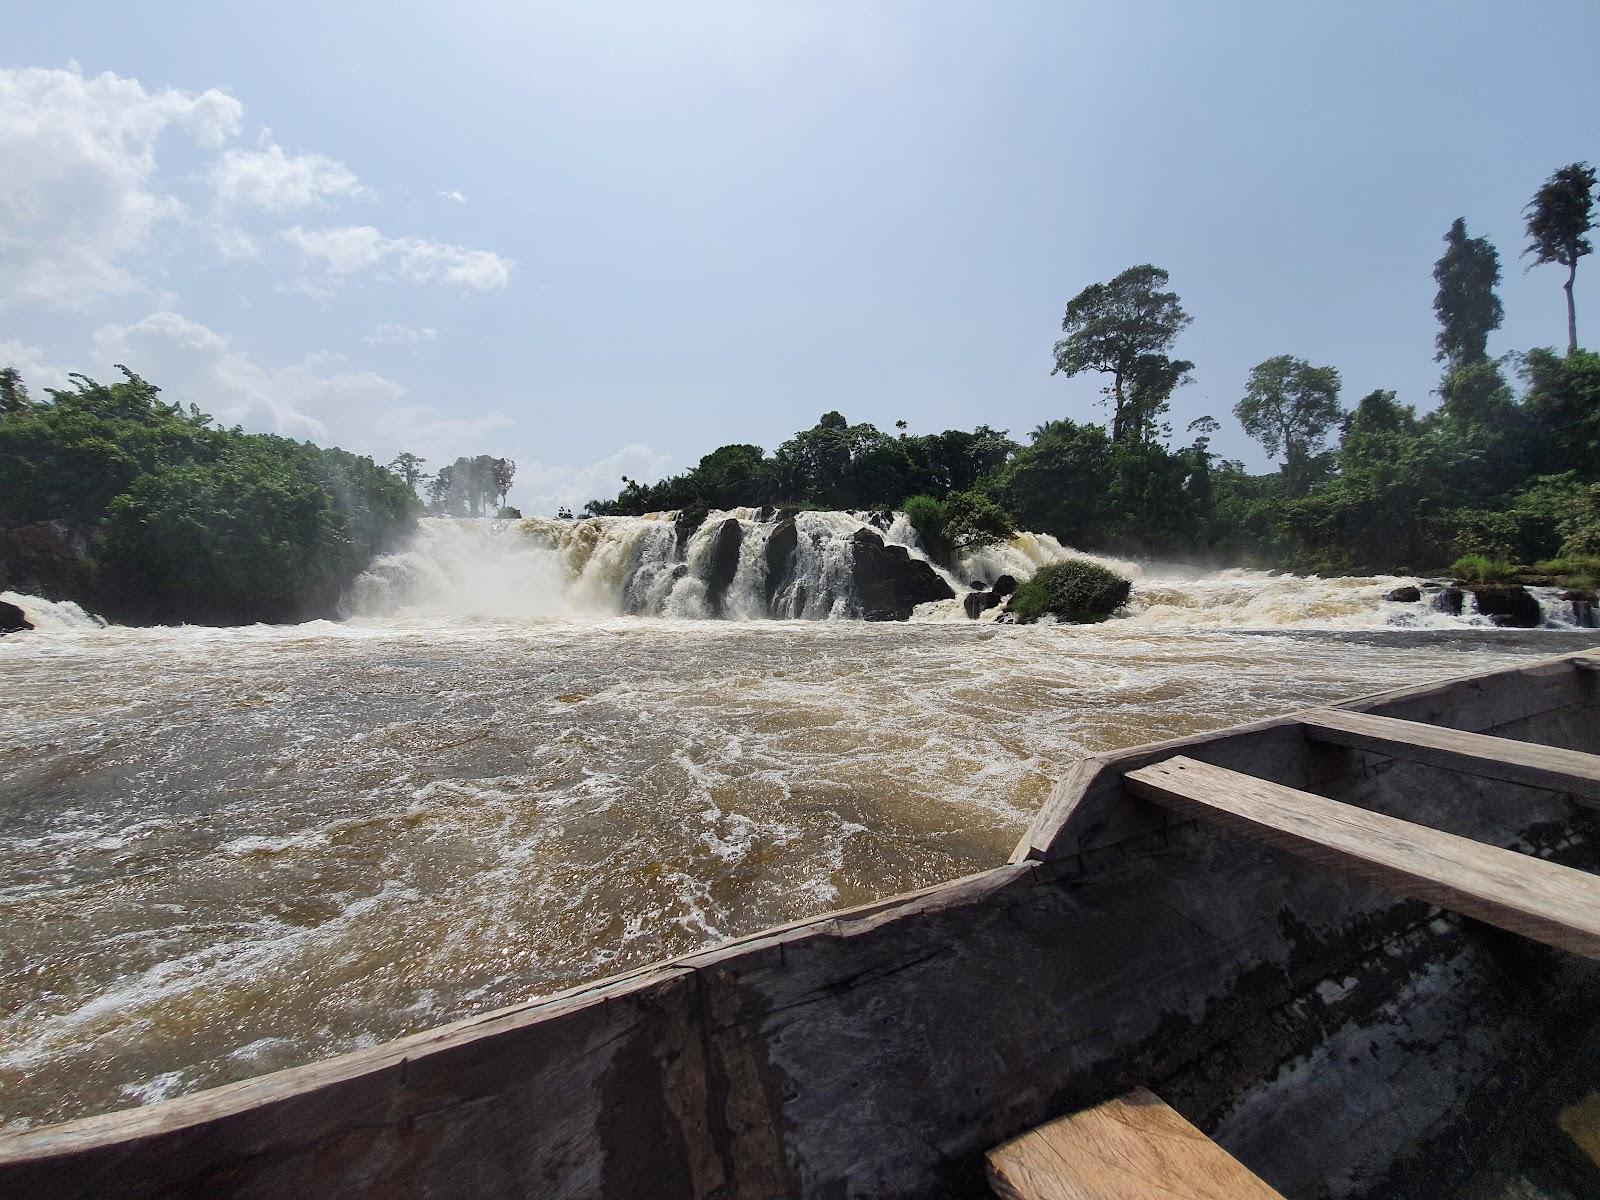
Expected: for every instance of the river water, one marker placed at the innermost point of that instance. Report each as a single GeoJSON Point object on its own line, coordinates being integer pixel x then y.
{"type": "Point", "coordinates": [223, 852]}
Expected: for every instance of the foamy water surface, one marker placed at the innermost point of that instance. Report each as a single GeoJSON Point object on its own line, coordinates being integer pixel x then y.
{"type": "Point", "coordinates": [224, 852]}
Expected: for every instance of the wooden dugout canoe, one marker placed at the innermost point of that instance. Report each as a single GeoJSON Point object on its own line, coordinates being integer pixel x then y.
{"type": "Point", "coordinates": [1354, 1001]}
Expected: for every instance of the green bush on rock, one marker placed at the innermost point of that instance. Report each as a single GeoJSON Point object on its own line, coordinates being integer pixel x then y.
{"type": "Point", "coordinates": [1076, 591]}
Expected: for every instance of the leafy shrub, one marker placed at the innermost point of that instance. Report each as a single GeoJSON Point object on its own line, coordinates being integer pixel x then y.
{"type": "Point", "coordinates": [1075, 591]}
{"type": "Point", "coordinates": [1579, 571]}
{"type": "Point", "coordinates": [1479, 568]}
{"type": "Point", "coordinates": [972, 521]}
{"type": "Point", "coordinates": [928, 518]}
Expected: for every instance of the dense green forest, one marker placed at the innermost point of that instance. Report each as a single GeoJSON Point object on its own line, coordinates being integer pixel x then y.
{"type": "Point", "coordinates": [183, 520]}
{"type": "Point", "coordinates": [1506, 466]}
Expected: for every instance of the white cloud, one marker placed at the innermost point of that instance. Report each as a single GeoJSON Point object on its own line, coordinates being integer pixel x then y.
{"type": "Point", "coordinates": [349, 249]}
{"type": "Point", "coordinates": [542, 489]}
{"type": "Point", "coordinates": [313, 399]}
{"type": "Point", "coordinates": [76, 158]}
{"type": "Point", "coordinates": [234, 244]}
{"type": "Point", "coordinates": [390, 334]}
{"type": "Point", "coordinates": [456, 196]}
{"type": "Point", "coordinates": [37, 373]}
{"type": "Point", "coordinates": [280, 182]}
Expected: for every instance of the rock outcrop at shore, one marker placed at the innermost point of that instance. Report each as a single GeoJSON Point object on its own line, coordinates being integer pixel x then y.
{"type": "Point", "coordinates": [889, 582]}
{"type": "Point", "coordinates": [47, 559]}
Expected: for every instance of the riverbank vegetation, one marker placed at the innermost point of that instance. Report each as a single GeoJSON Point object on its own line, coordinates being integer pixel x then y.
{"type": "Point", "coordinates": [154, 513]}
{"type": "Point", "coordinates": [1504, 467]}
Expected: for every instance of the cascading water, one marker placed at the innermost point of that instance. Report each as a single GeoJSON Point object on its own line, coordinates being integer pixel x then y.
{"type": "Point", "coordinates": [748, 563]}
{"type": "Point", "coordinates": [742, 564]}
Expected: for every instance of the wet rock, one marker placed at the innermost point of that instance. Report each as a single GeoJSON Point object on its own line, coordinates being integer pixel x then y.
{"type": "Point", "coordinates": [1507, 604]}
{"type": "Point", "coordinates": [1584, 606]}
{"type": "Point", "coordinates": [12, 619]}
{"type": "Point", "coordinates": [1450, 600]}
{"type": "Point", "coordinates": [48, 559]}
{"type": "Point", "coordinates": [978, 585]}
{"type": "Point", "coordinates": [1004, 586]}
{"type": "Point", "coordinates": [979, 602]}
{"type": "Point", "coordinates": [684, 525]}
{"type": "Point", "coordinates": [889, 583]}
{"type": "Point", "coordinates": [883, 518]}
{"type": "Point", "coordinates": [779, 553]}
{"type": "Point", "coordinates": [722, 563]}
{"type": "Point", "coordinates": [1404, 595]}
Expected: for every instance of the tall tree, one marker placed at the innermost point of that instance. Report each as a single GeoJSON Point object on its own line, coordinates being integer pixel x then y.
{"type": "Point", "coordinates": [1289, 406]}
{"type": "Point", "coordinates": [502, 472]}
{"type": "Point", "coordinates": [1125, 329]}
{"type": "Point", "coordinates": [409, 467]}
{"type": "Point", "coordinates": [1467, 274]}
{"type": "Point", "coordinates": [13, 392]}
{"type": "Point", "coordinates": [1559, 215]}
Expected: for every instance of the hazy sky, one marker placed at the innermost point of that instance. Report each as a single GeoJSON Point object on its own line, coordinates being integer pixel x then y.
{"type": "Point", "coordinates": [603, 239]}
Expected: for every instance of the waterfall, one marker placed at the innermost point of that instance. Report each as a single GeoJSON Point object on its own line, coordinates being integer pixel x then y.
{"type": "Point", "coordinates": [748, 563]}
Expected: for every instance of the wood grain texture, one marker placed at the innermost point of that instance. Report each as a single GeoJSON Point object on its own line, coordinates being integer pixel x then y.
{"type": "Point", "coordinates": [1478, 754]}
{"type": "Point", "coordinates": [1132, 1148]}
{"type": "Point", "coordinates": [1089, 809]}
{"type": "Point", "coordinates": [1541, 900]}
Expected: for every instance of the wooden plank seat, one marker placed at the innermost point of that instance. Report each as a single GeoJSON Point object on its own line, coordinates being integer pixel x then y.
{"type": "Point", "coordinates": [1526, 895]}
{"type": "Point", "coordinates": [1500, 758]}
{"type": "Point", "coordinates": [1132, 1148]}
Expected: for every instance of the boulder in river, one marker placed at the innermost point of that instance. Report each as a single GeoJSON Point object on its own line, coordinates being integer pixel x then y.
{"type": "Point", "coordinates": [12, 619]}
{"type": "Point", "coordinates": [1584, 604]}
{"type": "Point", "coordinates": [722, 562]}
{"type": "Point", "coordinates": [1450, 600]}
{"type": "Point", "coordinates": [1004, 586]}
{"type": "Point", "coordinates": [1508, 604]}
{"type": "Point", "coordinates": [779, 552]}
{"type": "Point", "coordinates": [979, 602]}
{"type": "Point", "coordinates": [889, 583]}
{"type": "Point", "coordinates": [1408, 594]}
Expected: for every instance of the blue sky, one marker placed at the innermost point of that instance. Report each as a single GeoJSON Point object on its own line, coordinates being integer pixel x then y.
{"type": "Point", "coordinates": [603, 239]}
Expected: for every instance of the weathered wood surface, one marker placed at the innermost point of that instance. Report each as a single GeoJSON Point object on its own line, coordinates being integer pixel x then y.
{"type": "Point", "coordinates": [1134, 1147]}
{"type": "Point", "coordinates": [1541, 900]}
{"type": "Point", "coordinates": [1090, 812]}
{"type": "Point", "coordinates": [1487, 699]}
{"type": "Point", "coordinates": [1502, 758]}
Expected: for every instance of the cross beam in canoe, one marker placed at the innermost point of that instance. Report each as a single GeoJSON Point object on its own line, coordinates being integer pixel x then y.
{"type": "Point", "coordinates": [1526, 895]}
{"type": "Point", "coordinates": [1506, 759]}
{"type": "Point", "coordinates": [1135, 1147]}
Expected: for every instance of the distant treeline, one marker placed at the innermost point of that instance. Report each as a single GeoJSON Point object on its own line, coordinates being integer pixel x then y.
{"type": "Point", "coordinates": [182, 520]}
{"type": "Point", "coordinates": [1501, 471]}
